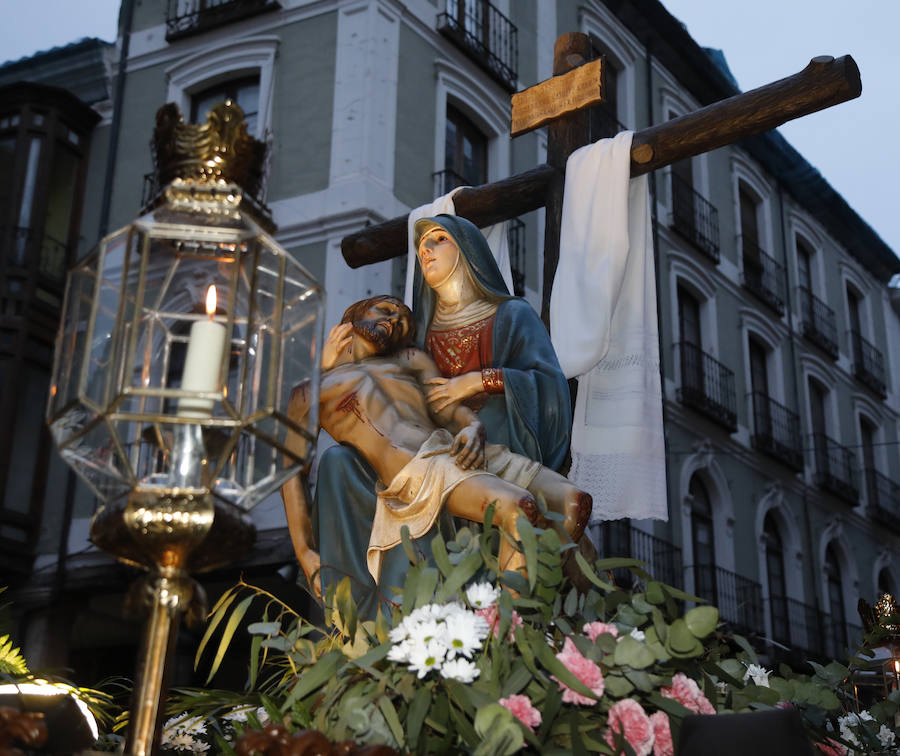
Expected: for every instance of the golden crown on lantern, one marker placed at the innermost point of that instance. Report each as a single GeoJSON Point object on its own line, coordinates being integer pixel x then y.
{"type": "Point", "coordinates": [219, 150]}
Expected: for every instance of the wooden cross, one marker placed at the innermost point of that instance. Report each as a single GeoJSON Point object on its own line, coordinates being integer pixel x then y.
{"type": "Point", "coordinates": [562, 103]}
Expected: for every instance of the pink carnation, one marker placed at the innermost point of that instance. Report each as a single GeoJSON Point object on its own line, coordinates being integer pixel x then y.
{"type": "Point", "coordinates": [686, 691]}
{"type": "Point", "coordinates": [629, 718]}
{"type": "Point", "coordinates": [831, 748]}
{"type": "Point", "coordinates": [491, 614]}
{"type": "Point", "coordinates": [662, 734]}
{"type": "Point", "coordinates": [585, 670]}
{"type": "Point", "coordinates": [593, 629]}
{"type": "Point", "coordinates": [521, 709]}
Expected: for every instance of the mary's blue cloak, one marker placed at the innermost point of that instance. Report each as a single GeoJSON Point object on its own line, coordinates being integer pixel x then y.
{"type": "Point", "coordinates": [532, 417]}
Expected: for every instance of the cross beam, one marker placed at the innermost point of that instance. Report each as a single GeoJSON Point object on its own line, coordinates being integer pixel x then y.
{"type": "Point", "coordinates": [826, 81]}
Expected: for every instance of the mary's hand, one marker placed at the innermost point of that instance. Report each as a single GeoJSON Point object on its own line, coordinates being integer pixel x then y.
{"type": "Point", "coordinates": [468, 446]}
{"type": "Point", "coordinates": [447, 391]}
{"type": "Point", "coordinates": [339, 339]}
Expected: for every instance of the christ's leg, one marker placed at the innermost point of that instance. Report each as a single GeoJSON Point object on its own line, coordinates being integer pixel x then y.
{"type": "Point", "coordinates": [566, 499]}
{"type": "Point", "coordinates": [472, 497]}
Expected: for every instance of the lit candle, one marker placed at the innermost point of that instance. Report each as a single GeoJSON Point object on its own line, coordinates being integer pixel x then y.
{"type": "Point", "coordinates": [206, 345]}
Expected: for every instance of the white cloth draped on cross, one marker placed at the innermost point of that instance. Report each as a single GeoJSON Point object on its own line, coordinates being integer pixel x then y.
{"type": "Point", "coordinates": [604, 329]}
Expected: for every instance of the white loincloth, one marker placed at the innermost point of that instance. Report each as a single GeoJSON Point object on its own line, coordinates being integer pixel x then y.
{"type": "Point", "coordinates": [417, 493]}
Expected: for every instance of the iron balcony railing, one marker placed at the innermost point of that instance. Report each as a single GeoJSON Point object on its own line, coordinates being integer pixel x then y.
{"type": "Point", "coordinates": [486, 35]}
{"type": "Point", "coordinates": [776, 431]}
{"type": "Point", "coordinates": [834, 468]}
{"type": "Point", "coordinates": [187, 17]}
{"type": "Point", "coordinates": [868, 364]}
{"type": "Point", "coordinates": [707, 385]}
{"type": "Point", "coordinates": [817, 322]}
{"type": "Point", "coordinates": [883, 496]}
{"type": "Point", "coordinates": [694, 218]}
{"type": "Point", "coordinates": [763, 276]}
{"type": "Point", "coordinates": [447, 180]}
{"type": "Point", "coordinates": [515, 237]}
{"type": "Point", "coordinates": [738, 599]}
{"type": "Point", "coordinates": [617, 538]}
{"type": "Point", "coordinates": [804, 628]}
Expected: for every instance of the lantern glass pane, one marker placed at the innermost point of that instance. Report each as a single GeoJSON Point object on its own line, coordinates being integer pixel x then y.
{"type": "Point", "coordinates": [153, 362]}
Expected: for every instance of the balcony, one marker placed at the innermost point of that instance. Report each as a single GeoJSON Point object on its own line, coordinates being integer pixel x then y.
{"type": "Point", "coordinates": [868, 364]}
{"type": "Point", "coordinates": [619, 539]}
{"type": "Point", "coordinates": [834, 469]}
{"type": "Point", "coordinates": [738, 599]}
{"type": "Point", "coordinates": [817, 322]}
{"type": "Point", "coordinates": [763, 276]}
{"type": "Point", "coordinates": [187, 17]}
{"type": "Point", "coordinates": [515, 236]}
{"type": "Point", "coordinates": [694, 218]}
{"type": "Point", "coordinates": [707, 385]}
{"type": "Point", "coordinates": [810, 632]}
{"type": "Point", "coordinates": [883, 496]}
{"type": "Point", "coordinates": [776, 431]}
{"type": "Point", "coordinates": [485, 35]}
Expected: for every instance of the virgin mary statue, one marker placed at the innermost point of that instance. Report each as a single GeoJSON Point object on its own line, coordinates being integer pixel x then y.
{"type": "Point", "coordinates": [495, 356]}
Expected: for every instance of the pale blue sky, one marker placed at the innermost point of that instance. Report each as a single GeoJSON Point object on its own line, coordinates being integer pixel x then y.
{"type": "Point", "coordinates": [853, 144]}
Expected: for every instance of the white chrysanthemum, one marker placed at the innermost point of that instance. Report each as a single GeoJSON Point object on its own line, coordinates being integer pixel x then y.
{"type": "Point", "coordinates": [262, 715]}
{"type": "Point", "coordinates": [865, 716]}
{"type": "Point", "coordinates": [848, 735]}
{"type": "Point", "coordinates": [848, 720]}
{"type": "Point", "coordinates": [238, 714]}
{"type": "Point", "coordinates": [400, 652]}
{"type": "Point", "coordinates": [464, 634]}
{"type": "Point", "coordinates": [425, 657]}
{"type": "Point", "coordinates": [886, 736]}
{"type": "Point", "coordinates": [181, 741]}
{"type": "Point", "coordinates": [193, 725]}
{"type": "Point", "coordinates": [201, 746]}
{"type": "Point", "coordinates": [482, 595]}
{"type": "Point", "coordinates": [638, 635]}
{"type": "Point", "coordinates": [758, 674]}
{"type": "Point", "coordinates": [460, 669]}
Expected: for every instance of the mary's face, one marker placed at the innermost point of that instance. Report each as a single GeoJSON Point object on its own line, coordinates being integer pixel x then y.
{"type": "Point", "coordinates": [438, 256]}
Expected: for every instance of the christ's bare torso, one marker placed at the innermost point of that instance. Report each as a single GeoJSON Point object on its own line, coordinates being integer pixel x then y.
{"type": "Point", "coordinates": [377, 405]}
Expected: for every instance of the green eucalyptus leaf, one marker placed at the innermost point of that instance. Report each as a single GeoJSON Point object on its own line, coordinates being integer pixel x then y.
{"type": "Point", "coordinates": [428, 580]}
{"type": "Point", "coordinates": [628, 616]}
{"type": "Point", "coordinates": [590, 573]}
{"type": "Point", "coordinates": [640, 604]}
{"type": "Point", "coordinates": [393, 720]}
{"type": "Point", "coordinates": [255, 647]}
{"type": "Point", "coordinates": [702, 620]}
{"type": "Point", "coordinates": [500, 735]}
{"type": "Point", "coordinates": [660, 627]}
{"type": "Point", "coordinates": [570, 607]}
{"type": "Point", "coordinates": [617, 686]}
{"type": "Point", "coordinates": [346, 607]}
{"type": "Point", "coordinates": [732, 671]}
{"type": "Point", "coordinates": [640, 679]}
{"type": "Point", "coordinates": [529, 548]}
{"type": "Point", "coordinates": [655, 593]}
{"type": "Point", "coordinates": [675, 593]}
{"type": "Point", "coordinates": [315, 677]}
{"type": "Point", "coordinates": [547, 657]}
{"type": "Point", "coordinates": [746, 647]}
{"type": "Point", "coordinates": [462, 573]}
{"type": "Point", "coordinates": [632, 653]}
{"type": "Point", "coordinates": [407, 545]}
{"type": "Point", "coordinates": [680, 640]}
{"type": "Point", "coordinates": [263, 628]}
{"type": "Point", "coordinates": [441, 557]}
{"type": "Point", "coordinates": [418, 708]}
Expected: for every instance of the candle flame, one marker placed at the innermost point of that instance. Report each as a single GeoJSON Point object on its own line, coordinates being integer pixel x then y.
{"type": "Point", "coordinates": [211, 300]}
{"type": "Point", "coordinates": [897, 666]}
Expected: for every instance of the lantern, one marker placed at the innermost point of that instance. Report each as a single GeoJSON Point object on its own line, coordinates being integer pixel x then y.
{"type": "Point", "coordinates": [183, 336]}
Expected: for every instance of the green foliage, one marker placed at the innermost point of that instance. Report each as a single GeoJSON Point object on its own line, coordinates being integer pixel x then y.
{"type": "Point", "coordinates": [341, 680]}
{"type": "Point", "coordinates": [11, 660]}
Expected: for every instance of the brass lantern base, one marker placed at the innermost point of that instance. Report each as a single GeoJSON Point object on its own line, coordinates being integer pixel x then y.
{"type": "Point", "coordinates": [170, 533]}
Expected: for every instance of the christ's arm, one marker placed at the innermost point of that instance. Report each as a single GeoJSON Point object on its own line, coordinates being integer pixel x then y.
{"type": "Point", "coordinates": [294, 493]}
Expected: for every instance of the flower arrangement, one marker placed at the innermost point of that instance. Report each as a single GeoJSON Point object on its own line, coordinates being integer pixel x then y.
{"type": "Point", "coordinates": [477, 660]}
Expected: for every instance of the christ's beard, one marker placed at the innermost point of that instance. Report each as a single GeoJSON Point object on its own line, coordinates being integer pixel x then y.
{"type": "Point", "coordinates": [377, 337]}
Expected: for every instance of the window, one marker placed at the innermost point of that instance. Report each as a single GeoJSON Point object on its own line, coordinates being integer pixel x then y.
{"type": "Point", "coordinates": [243, 91]}
{"type": "Point", "coordinates": [759, 387]}
{"type": "Point", "coordinates": [465, 153]}
{"type": "Point", "coordinates": [804, 265]}
{"type": "Point", "coordinates": [835, 598]}
{"type": "Point", "coordinates": [702, 540]}
{"type": "Point", "coordinates": [885, 583]}
{"type": "Point", "coordinates": [776, 579]}
{"type": "Point", "coordinates": [691, 349]}
{"type": "Point", "coordinates": [867, 439]}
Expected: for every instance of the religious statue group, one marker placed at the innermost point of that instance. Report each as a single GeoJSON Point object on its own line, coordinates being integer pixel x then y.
{"type": "Point", "coordinates": [438, 412]}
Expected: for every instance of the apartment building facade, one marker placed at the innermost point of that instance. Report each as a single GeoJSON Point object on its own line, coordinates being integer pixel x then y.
{"type": "Point", "coordinates": [780, 343]}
